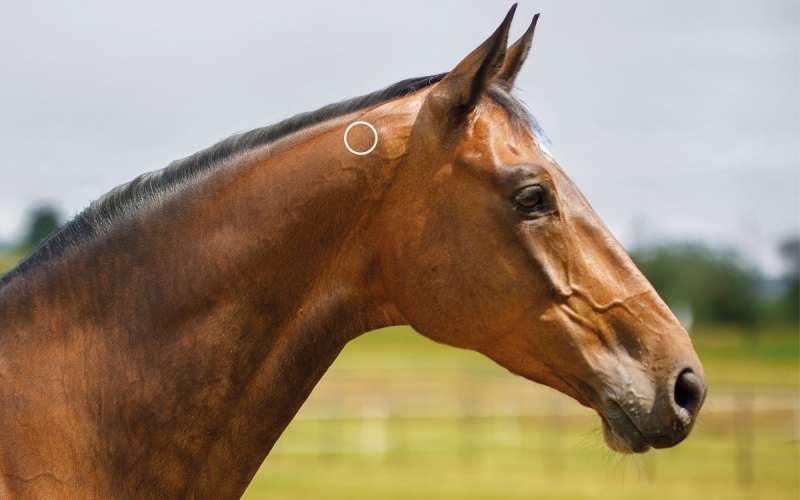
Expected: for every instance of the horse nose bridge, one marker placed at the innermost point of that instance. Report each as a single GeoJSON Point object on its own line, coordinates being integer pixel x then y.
{"type": "Point", "coordinates": [644, 314]}
{"type": "Point", "coordinates": [605, 290]}
{"type": "Point", "coordinates": [599, 262]}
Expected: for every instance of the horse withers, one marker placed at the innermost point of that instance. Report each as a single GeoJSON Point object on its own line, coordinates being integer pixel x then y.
{"type": "Point", "coordinates": [159, 344]}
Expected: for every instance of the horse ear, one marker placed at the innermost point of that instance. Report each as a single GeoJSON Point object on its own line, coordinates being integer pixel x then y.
{"type": "Point", "coordinates": [461, 89]}
{"type": "Point", "coordinates": [516, 55]}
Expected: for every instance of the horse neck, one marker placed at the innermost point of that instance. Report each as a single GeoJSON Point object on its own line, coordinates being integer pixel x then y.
{"type": "Point", "coordinates": [199, 328]}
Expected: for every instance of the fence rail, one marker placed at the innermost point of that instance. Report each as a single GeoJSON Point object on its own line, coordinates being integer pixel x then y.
{"type": "Point", "coordinates": [478, 420]}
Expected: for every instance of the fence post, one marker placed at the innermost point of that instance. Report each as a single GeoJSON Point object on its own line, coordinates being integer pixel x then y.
{"type": "Point", "coordinates": [330, 427]}
{"type": "Point", "coordinates": [744, 438]}
{"type": "Point", "coordinates": [554, 460]}
{"type": "Point", "coordinates": [399, 426]}
{"type": "Point", "coordinates": [373, 428]}
{"type": "Point", "coordinates": [465, 427]}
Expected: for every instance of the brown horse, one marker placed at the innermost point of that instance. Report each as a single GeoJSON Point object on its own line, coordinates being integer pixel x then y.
{"type": "Point", "coordinates": [159, 344]}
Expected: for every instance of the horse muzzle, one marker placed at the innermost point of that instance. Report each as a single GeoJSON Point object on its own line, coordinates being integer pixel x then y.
{"type": "Point", "coordinates": [631, 424]}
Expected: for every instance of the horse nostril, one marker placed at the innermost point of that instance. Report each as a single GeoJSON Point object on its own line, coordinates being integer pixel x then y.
{"type": "Point", "coordinates": [689, 392]}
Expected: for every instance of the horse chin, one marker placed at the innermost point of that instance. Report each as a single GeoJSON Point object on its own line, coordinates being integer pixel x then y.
{"type": "Point", "coordinates": [622, 436]}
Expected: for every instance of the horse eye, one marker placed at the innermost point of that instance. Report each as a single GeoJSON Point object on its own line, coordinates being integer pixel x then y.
{"type": "Point", "coordinates": [531, 198]}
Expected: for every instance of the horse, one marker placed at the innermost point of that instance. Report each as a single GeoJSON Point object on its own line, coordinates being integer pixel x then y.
{"type": "Point", "coordinates": [159, 343]}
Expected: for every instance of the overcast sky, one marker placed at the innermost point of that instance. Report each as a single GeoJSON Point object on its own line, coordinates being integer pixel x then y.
{"type": "Point", "coordinates": [676, 118]}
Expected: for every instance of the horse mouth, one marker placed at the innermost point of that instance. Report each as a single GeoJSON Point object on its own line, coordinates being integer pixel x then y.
{"type": "Point", "coordinates": [620, 432]}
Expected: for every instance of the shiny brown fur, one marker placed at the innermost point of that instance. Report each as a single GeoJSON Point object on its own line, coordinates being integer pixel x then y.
{"type": "Point", "coordinates": [164, 357]}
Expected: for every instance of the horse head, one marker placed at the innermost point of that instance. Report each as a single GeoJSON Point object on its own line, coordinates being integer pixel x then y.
{"type": "Point", "coordinates": [490, 246]}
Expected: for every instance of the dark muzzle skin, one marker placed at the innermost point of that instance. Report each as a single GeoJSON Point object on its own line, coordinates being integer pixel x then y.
{"type": "Point", "coordinates": [629, 427]}
{"type": "Point", "coordinates": [656, 391]}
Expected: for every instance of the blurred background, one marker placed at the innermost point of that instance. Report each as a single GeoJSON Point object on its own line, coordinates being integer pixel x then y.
{"type": "Point", "coordinates": [679, 120]}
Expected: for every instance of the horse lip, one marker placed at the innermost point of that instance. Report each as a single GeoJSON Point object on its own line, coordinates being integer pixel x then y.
{"type": "Point", "coordinates": [621, 432]}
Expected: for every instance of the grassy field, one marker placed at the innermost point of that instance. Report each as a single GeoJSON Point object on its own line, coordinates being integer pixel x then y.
{"type": "Point", "coordinates": [7, 260]}
{"type": "Point", "coordinates": [398, 416]}
{"type": "Point", "coordinates": [517, 459]}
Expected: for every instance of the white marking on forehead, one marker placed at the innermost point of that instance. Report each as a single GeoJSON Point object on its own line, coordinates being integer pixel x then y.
{"type": "Point", "coordinates": [542, 141]}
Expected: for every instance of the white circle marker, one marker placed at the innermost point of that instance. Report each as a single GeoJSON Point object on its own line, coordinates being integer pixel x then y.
{"type": "Point", "coordinates": [360, 153]}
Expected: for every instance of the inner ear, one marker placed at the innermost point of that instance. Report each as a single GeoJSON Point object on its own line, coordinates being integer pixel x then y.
{"type": "Point", "coordinates": [463, 87]}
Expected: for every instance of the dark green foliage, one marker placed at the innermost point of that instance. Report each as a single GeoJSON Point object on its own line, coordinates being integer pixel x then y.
{"type": "Point", "coordinates": [717, 285]}
{"type": "Point", "coordinates": [44, 219]}
{"type": "Point", "coordinates": [787, 307]}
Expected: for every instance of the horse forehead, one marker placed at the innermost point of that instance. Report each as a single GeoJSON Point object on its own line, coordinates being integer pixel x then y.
{"type": "Point", "coordinates": [492, 141]}
{"type": "Point", "coordinates": [509, 145]}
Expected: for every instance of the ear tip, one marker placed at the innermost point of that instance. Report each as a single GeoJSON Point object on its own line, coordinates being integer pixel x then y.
{"type": "Point", "coordinates": [502, 31]}
{"type": "Point", "coordinates": [532, 27]}
{"type": "Point", "coordinates": [510, 14]}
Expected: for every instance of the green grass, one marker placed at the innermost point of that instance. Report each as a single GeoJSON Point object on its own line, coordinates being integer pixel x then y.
{"type": "Point", "coordinates": [7, 260]}
{"type": "Point", "coordinates": [735, 357]}
{"type": "Point", "coordinates": [512, 458]}
{"type": "Point", "coordinates": [553, 450]}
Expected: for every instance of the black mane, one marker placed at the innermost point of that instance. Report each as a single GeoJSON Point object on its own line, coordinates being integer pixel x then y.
{"type": "Point", "coordinates": [123, 200]}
